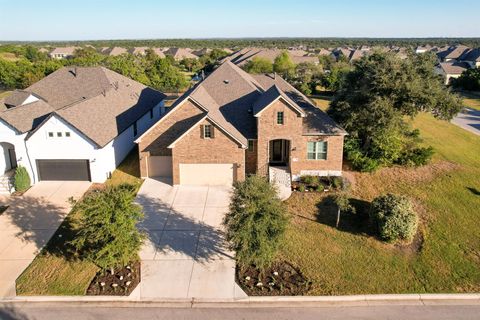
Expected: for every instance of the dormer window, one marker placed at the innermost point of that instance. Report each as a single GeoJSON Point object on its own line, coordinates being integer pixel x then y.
{"type": "Point", "coordinates": [280, 117]}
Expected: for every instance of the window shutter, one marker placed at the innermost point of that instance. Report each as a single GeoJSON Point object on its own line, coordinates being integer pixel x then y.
{"type": "Point", "coordinates": [212, 132]}
{"type": "Point", "coordinates": [202, 132]}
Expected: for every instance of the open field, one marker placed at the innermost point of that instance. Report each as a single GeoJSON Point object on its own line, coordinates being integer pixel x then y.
{"type": "Point", "coordinates": [56, 270]}
{"type": "Point", "coordinates": [349, 260]}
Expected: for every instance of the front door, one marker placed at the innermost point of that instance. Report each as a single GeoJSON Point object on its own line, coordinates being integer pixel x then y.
{"type": "Point", "coordinates": [277, 151]}
{"type": "Point", "coordinates": [13, 158]}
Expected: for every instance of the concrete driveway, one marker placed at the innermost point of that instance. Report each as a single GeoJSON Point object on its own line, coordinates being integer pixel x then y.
{"type": "Point", "coordinates": [185, 255]}
{"type": "Point", "coordinates": [28, 224]}
{"type": "Point", "coordinates": [468, 119]}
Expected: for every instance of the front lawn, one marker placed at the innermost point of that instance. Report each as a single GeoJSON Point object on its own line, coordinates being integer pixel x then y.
{"type": "Point", "coordinates": [55, 271]}
{"type": "Point", "coordinates": [446, 258]}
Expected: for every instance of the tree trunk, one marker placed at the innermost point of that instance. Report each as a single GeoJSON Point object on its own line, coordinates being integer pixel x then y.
{"type": "Point", "coordinates": [338, 217]}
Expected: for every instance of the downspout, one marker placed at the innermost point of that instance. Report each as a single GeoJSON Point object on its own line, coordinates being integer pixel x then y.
{"type": "Point", "coordinates": [30, 162]}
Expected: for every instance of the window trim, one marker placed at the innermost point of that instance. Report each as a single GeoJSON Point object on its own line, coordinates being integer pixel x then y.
{"type": "Point", "coordinates": [210, 131]}
{"type": "Point", "coordinates": [316, 149]}
{"type": "Point", "coordinates": [282, 122]}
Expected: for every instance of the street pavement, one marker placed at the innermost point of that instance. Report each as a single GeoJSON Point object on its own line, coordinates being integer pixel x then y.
{"type": "Point", "coordinates": [48, 311]}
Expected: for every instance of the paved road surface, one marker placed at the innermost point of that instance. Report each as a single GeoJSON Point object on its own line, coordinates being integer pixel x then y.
{"type": "Point", "coordinates": [390, 312]}
{"type": "Point", "coordinates": [468, 119]}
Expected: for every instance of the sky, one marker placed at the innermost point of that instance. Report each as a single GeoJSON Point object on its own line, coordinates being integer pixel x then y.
{"type": "Point", "coordinates": [39, 20]}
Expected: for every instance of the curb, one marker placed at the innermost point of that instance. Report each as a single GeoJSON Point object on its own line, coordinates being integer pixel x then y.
{"type": "Point", "coordinates": [260, 301]}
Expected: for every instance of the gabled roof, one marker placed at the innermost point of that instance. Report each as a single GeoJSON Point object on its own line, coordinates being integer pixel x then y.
{"type": "Point", "coordinates": [229, 96]}
{"type": "Point", "coordinates": [453, 52]}
{"type": "Point", "coordinates": [17, 98]}
{"type": "Point", "coordinates": [316, 121]}
{"type": "Point", "coordinates": [272, 95]}
{"type": "Point", "coordinates": [180, 53]}
{"type": "Point", "coordinates": [98, 102]}
{"type": "Point", "coordinates": [471, 55]}
{"type": "Point", "coordinates": [64, 50]}
{"type": "Point", "coordinates": [116, 51]}
{"type": "Point", "coordinates": [454, 67]}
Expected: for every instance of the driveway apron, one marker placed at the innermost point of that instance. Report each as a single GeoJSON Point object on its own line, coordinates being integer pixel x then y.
{"type": "Point", "coordinates": [185, 255]}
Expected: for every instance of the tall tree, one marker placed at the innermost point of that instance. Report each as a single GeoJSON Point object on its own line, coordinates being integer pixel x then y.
{"type": "Point", "coordinates": [373, 100]}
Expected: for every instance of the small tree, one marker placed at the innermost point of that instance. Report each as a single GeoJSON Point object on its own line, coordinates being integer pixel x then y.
{"type": "Point", "coordinates": [255, 223]}
{"type": "Point", "coordinates": [259, 65]}
{"type": "Point", "coordinates": [394, 217]}
{"type": "Point", "coordinates": [21, 179]}
{"type": "Point", "coordinates": [107, 234]}
{"type": "Point", "coordinates": [284, 65]}
{"type": "Point", "coordinates": [342, 202]}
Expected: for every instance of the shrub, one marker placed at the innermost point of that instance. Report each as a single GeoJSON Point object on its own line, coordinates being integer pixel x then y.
{"type": "Point", "coordinates": [301, 188]}
{"type": "Point", "coordinates": [394, 217]}
{"type": "Point", "coordinates": [310, 180]}
{"type": "Point", "coordinates": [21, 179]}
{"type": "Point", "coordinates": [337, 182]}
{"type": "Point", "coordinates": [107, 233]}
{"type": "Point", "coordinates": [416, 156]}
{"type": "Point", "coordinates": [255, 223]}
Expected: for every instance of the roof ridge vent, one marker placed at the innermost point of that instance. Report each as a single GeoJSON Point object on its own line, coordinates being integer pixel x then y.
{"type": "Point", "coordinates": [226, 81]}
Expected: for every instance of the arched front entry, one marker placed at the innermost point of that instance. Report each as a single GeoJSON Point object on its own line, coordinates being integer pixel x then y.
{"type": "Point", "coordinates": [279, 152]}
{"type": "Point", "coordinates": [8, 158]}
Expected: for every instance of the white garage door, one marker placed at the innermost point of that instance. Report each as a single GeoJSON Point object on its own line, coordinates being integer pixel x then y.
{"type": "Point", "coordinates": [159, 166]}
{"type": "Point", "coordinates": [206, 174]}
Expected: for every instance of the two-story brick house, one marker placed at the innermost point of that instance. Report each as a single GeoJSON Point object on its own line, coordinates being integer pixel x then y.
{"type": "Point", "coordinates": [233, 124]}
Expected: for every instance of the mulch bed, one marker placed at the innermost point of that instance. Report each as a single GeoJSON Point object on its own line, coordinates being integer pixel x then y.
{"type": "Point", "coordinates": [121, 283]}
{"type": "Point", "coordinates": [282, 279]}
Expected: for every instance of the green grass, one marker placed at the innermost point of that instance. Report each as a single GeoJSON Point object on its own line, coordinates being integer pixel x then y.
{"type": "Point", "coordinates": [350, 261]}
{"type": "Point", "coordinates": [56, 270]}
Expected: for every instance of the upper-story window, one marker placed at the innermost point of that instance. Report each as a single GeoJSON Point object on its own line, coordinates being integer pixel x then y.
{"type": "Point", "coordinates": [207, 131]}
{"type": "Point", "coordinates": [317, 150]}
{"type": "Point", "coordinates": [59, 134]}
{"type": "Point", "coordinates": [280, 117]}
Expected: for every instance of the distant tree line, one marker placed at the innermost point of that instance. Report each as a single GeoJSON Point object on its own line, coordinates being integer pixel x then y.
{"type": "Point", "coordinates": [164, 74]}
{"type": "Point", "coordinates": [262, 42]}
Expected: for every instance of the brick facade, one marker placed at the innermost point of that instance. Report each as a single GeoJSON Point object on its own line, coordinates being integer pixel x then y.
{"type": "Point", "coordinates": [251, 159]}
{"type": "Point", "coordinates": [156, 141]}
{"type": "Point", "coordinates": [192, 148]}
{"type": "Point", "coordinates": [291, 130]}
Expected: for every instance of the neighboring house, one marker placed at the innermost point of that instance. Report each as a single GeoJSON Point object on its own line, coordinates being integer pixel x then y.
{"type": "Point", "coordinates": [159, 52]}
{"type": "Point", "coordinates": [233, 124]}
{"type": "Point", "coordinates": [180, 54]}
{"type": "Point", "coordinates": [202, 52]}
{"type": "Point", "coordinates": [472, 57]}
{"type": "Point", "coordinates": [423, 49]}
{"type": "Point", "coordinates": [452, 53]}
{"type": "Point", "coordinates": [116, 51]}
{"type": "Point", "coordinates": [243, 56]}
{"type": "Point", "coordinates": [451, 70]}
{"type": "Point", "coordinates": [78, 123]}
{"type": "Point", "coordinates": [139, 50]}
{"type": "Point", "coordinates": [63, 53]}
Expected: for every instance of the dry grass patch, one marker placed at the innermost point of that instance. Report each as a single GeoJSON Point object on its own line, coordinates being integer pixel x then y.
{"type": "Point", "coordinates": [444, 257]}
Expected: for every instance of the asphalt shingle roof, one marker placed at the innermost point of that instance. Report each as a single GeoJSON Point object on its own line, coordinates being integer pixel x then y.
{"type": "Point", "coordinates": [98, 102]}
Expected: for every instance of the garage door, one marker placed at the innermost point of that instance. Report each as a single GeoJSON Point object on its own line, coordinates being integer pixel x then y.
{"type": "Point", "coordinates": [74, 170]}
{"type": "Point", "coordinates": [206, 174]}
{"type": "Point", "coordinates": [159, 166]}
